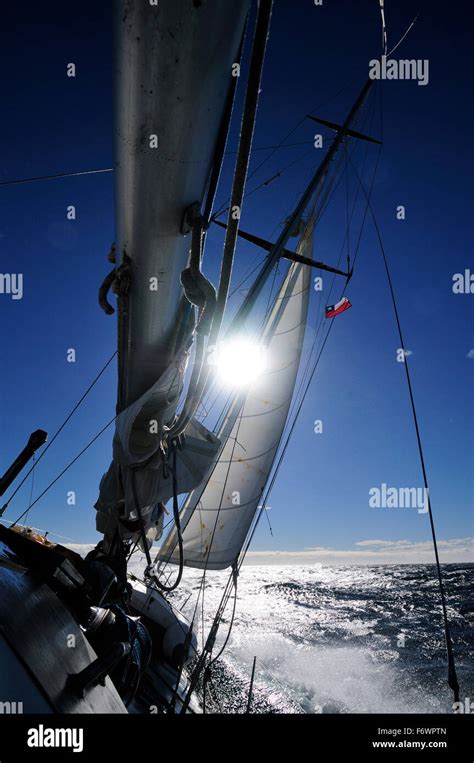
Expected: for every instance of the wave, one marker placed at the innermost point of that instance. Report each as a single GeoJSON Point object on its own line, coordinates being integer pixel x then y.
{"type": "Point", "coordinates": [338, 639]}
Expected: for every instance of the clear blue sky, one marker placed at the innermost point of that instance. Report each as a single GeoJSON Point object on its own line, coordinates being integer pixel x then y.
{"type": "Point", "coordinates": [53, 124]}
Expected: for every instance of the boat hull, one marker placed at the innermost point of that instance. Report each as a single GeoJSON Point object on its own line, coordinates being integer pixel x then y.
{"type": "Point", "coordinates": [41, 644]}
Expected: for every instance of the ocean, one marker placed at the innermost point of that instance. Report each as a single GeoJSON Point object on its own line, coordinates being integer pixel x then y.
{"type": "Point", "coordinates": [337, 639]}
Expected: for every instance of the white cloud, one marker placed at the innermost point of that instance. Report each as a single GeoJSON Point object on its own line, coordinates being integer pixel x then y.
{"type": "Point", "coordinates": [470, 355]}
{"type": "Point", "coordinates": [382, 542]}
{"type": "Point", "coordinates": [372, 552]}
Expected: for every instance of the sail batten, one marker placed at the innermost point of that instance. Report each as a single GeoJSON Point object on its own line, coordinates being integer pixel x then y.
{"type": "Point", "coordinates": [216, 517]}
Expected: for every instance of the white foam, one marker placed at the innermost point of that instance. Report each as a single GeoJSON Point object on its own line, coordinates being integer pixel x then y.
{"type": "Point", "coordinates": [330, 679]}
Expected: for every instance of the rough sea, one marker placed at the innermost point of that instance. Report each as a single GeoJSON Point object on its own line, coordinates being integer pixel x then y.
{"type": "Point", "coordinates": [348, 639]}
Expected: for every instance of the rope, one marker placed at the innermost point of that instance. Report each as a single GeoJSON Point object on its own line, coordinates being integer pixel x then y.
{"type": "Point", "coordinates": [384, 31]}
{"type": "Point", "coordinates": [68, 417]}
{"type": "Point", "coordinates": [140, 517]}
{"type": "Point", "coordinates": [177, 521]}
{"type": "Point", "coordinates": [201, 293]}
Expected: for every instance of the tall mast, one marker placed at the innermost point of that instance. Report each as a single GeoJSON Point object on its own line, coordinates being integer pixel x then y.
{"type": "Point", "coordinates": [294, 218]}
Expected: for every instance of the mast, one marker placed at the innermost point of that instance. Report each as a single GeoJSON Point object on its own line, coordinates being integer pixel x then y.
{"type": "Point", "coordinates": [318, 177]}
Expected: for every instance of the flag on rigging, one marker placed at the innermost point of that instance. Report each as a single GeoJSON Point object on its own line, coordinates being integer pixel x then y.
{"type": "Point", "coordinates": [339, 307]}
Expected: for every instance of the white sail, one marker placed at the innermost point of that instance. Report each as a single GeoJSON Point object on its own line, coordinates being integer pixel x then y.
{"type": "Point", "coordinates": [173, 72]}
{"type": "Point", "coordinates": [217, 515]}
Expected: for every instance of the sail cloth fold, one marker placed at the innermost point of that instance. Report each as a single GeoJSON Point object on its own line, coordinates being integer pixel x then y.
{"type": "Point", "coordinates": [217, 515]}
{"type": "Point", "coordinates": [138, 431]}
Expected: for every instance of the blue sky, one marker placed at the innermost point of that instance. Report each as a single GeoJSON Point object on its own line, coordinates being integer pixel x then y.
{"type": "Point", "coordinates": [55, 124]}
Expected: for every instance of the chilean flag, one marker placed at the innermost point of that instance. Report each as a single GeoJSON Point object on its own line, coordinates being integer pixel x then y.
{"type": "Point", "coordinates": [339, 307]}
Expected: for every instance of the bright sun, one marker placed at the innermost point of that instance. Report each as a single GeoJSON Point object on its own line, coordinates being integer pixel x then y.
{"type": "Point", "coordinates": [239, 361]}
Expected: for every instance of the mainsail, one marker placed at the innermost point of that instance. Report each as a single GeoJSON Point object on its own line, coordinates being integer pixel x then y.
{"type": "Point", "coordinates": [217, 515]}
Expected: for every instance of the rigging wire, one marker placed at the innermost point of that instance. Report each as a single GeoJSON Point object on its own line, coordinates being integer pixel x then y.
{"type": "Point", "coordinates": [55, 177]}
{"type": "Point", "coordinates": [403, 36]}
{"type": "Point", "coordinates": [349, 154]}
{"type": "Point", "coordinates": [275, 146]}
{"type": "Point", "coordinates": [320, 319]}
{"type": "Point", "coordinates": [281, 145]}
{"type": "Point", "coordinates": [91, 442]}
{"type": "Point", "coordinates": [58, 431]}
{"type": "Point", "coordinates": [32, 484]}
{"type": "Point", "coordinates": [43, 532]}
{"type": "Point", "coordinates": [347, 209]}
{"type": "Point", "coordinates": [452, 676]}
{"type": "Point", "coordinates": [134, 548]}
{"type": "Point", "coordinates": [212, 660]}
{"type": "Point", "coordinates": [259, 263]}
{"type": "Point", "coordinates": [225, 597]}
{"type": "Point", "coordinates": [265, 183]}
{"type": "Point", "coordinates": [329, 195]}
